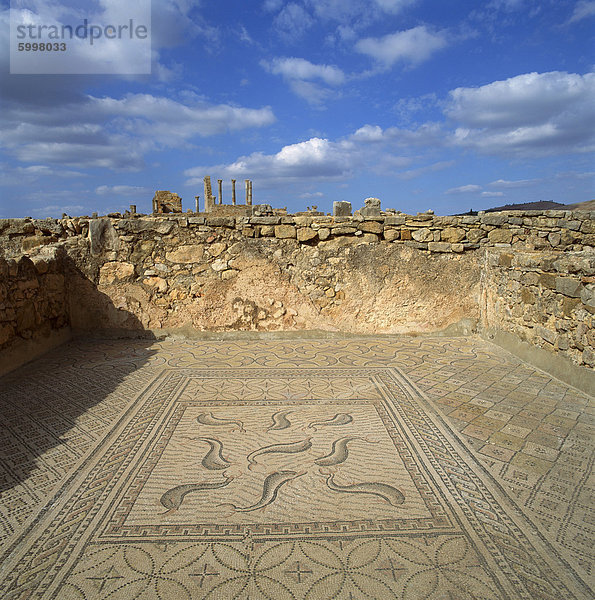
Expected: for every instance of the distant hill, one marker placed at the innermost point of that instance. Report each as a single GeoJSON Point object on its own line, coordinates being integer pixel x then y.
{"type": "Point", "coordinates": [541, 205]}
{"type": "Point", "coordinates": [588, 205]}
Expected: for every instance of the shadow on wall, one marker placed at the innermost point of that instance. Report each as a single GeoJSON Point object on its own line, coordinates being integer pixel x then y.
{"type": "Point", "coordinates": [92, 311]}
{"type": "Point", "coordinates": [41, 404]}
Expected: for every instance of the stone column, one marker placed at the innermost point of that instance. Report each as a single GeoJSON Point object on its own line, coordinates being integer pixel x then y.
{"type": "Point", "coordinates": [208, 194]}
{"type": "Point", "coordinates": [220, 182]}
{"type": "Point", "coordinates": [233, 192]}
{"type": "Point", "coordinates": [247, 182]}
{"type": "Point", "coordinates": [197, 204]}
{"type": "Point", "coordinates": [133, 209]}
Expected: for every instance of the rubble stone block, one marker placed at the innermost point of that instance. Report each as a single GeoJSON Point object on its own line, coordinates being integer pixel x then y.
{"type": "Point", "coordinates": [285, 231]}
{"type": "Point", "coordinates": [569, 286]}
{"type": "Point", "coordinates": [500, 236]}
{"type": "Point", "coordinates": [341, 209]}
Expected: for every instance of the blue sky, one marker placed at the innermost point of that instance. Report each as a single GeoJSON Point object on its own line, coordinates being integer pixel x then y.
{"type": "Point", "coordinates": [424, 104]}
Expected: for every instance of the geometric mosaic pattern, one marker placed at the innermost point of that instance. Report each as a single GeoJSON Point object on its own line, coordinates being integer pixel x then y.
{"type": "Point", "coordinates": [291, 469]}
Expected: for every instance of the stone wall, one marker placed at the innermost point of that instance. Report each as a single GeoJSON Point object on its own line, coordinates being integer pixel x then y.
{"type": "Point", "coordinates": [394, 273]}
{"type": "Point", "coordinates": [33, 301]}
{"type": "Point", "coordinates": [544, 298]}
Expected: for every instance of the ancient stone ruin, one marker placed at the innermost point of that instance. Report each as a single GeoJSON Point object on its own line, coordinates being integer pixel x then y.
{"type": "Point", "coordinates": [166, 202]}
{"type": "Point", "coordinates": [523, 278]}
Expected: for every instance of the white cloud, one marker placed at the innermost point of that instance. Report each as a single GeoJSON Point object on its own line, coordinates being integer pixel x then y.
{"type": "Point", "coordinates": [464, 189]}
{"type": "Point", "coordinates": [293, 22]}
{"type": "Point", "coordinates": [309, 195]}
{"type": "Point", "coordinates": [116, 133]}
{"type": "Point", "coordinates": [299, 68]}
{"type": "Point", "coordinates": [412, 46]}
{"type": "Point", "coordinates": [304, 77]}
{"type": "Point", "coordinates": [428, 134]}
{"type": "Point", "coordinates": [121, 190]}
{"type": "Point", "coordinates": [582, 10]}
{"type": "Point", "coordinates": [531, 114]}
{"type": "Point", "coordinates": [320, 159]}
{"type": "Point", "coordinates": [504, 183]}
{"type": "Point", "coordinates": [492, 194]}
{"type": "Point", "coordinates": [314, 159]}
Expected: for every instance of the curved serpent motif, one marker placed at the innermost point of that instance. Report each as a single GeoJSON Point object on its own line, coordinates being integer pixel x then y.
{"type": "Point", "coordinates": [290, 448]}
{"type": "Point", "coordinates": [339, 451]}
{"type": "Point", "coordinates": [338, 419]}
{"type": "Point", "coordinates": [387, 492]}
{"type": "Point", "coordinates": [272, 485]}
{"type": "Point", "coordinates": [173, 498]}
{"type": "Point", "coordinates": [280, 420]}
{"type": "Point", "coordinates": [213, 459]}
{"type": "Point", "coordinates": [209, 419]}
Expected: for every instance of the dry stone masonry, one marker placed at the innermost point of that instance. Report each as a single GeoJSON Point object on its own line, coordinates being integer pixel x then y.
{"type": "Point", "coordinates": [530, 274]}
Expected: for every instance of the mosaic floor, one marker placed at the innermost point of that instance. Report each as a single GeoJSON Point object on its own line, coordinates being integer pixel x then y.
{"type": "Point", "coordinates": [409, 468]}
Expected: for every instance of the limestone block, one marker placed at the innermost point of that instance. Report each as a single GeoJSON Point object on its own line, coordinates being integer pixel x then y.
{"type": "Point", "coordinates": [588, 295]}
{"type": "Point", "coordinates": [220, 222]}
{"type": "Point", "coordinates": [569, 286]}
{"type": "Point", "coordinates": [406, 234]}
{"type": "Point", "coordinates": [423, 235]}
{"type": "Point", "coordinates": [439, 247]}
{"type": "Point", "coordinates": [496, 219]}
{"type": "Point", "coordinates": [457, 247]}
{"type": "Point", "coordinates": [267, 230]}
{"type": "Point", "coordinates": [26, 317]}
{"type": "Point", "coordinates": [500, 236]}
{"type": "Point", "coordinates": [42, 263]}
{"type": "Point", "coordinates": [216, 249]}
{"type": "Point", "coordinates": [188, 253]}
{"type": "Point", "coordinates": [391, 234]}
{"type": "Point", "coordinates": [474, 235]}
{"type": "Point", "coordinates": [343, 230]}
{"type": "Point", "coordinates": [452, 235]}
{"type": "Point", "coordinates": [284, 232]}
{"type": "Point", "coordinates": [305, 234]}
{"type": "Point", "coordinates": [219, 265]}
{"type": "Point", "coordinates": [371, 208]}
{"type": "Point", "coordinates": [265, 220]}
{"type": "Point", "coordinates": [546, 334]}
{"type": "Point", "coordinates": [371, 227]}
{"type": "Point", "coordinates": [569, 237]}
{"type": "Point", "coordinates": [324, 233]}
{"type": "Point", "coordinates": [395, 220]}
{"type": "Point", "coordinates": [112, 272]}
{"type": "Point", "coordinates": [341, 209]}
{"type": "Point", "coordinates": [102, 236]}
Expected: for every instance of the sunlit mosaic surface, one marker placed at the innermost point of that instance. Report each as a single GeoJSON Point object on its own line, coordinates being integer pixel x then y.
{"type": "Point", "coordinates": [360, 468]}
